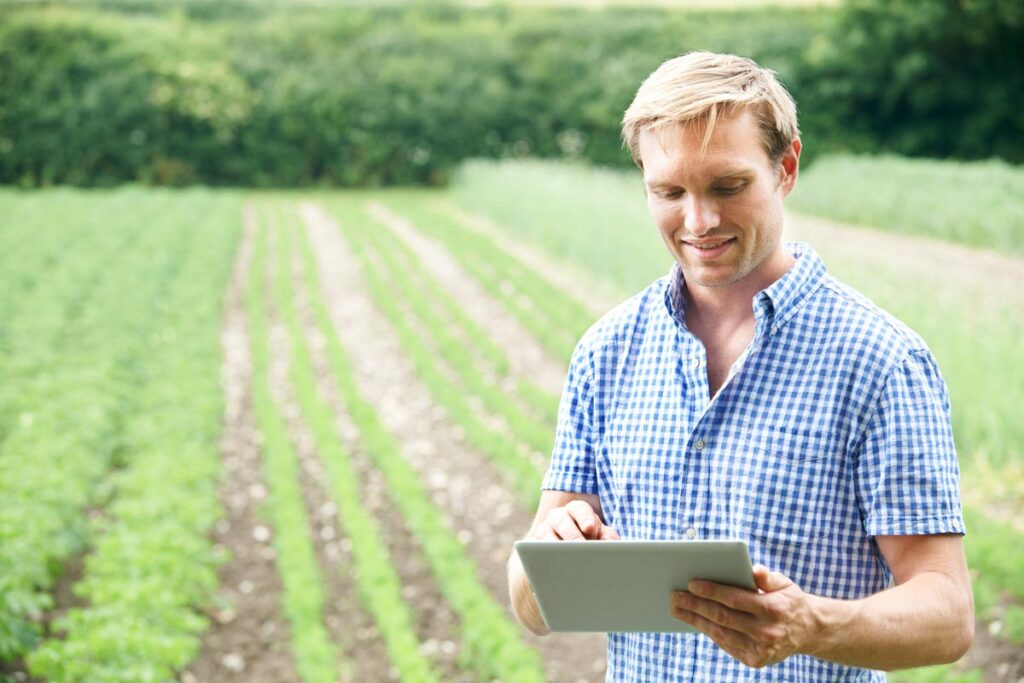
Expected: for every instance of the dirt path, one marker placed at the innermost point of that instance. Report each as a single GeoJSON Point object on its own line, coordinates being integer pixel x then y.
{"type": "Point", "coordinates": [473, 493]}
{"type": "Point", "coordinates": [525, 355]}
{"type": "Point", "coordinates": [992, 279]}
{"type": "Point", "coordinates": [248, 639]}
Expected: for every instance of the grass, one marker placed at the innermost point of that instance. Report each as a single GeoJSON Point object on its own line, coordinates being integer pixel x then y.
{"type": "Point", "coordinates": [455, 337]}
{"type": "Point", "coordinates": [979, 204]}
{"type": "Point", "coordinates": [588, 216]}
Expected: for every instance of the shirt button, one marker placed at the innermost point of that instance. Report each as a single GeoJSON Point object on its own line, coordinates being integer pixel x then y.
{"type": "Point", "coordinates": [691, 533]}
{"type": "Point", "coordinates": [696, 363]}
{"type": "Point", "coordinates": [699, 444]}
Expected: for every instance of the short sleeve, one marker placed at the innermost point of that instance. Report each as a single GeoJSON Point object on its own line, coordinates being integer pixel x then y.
{"type": "Point", "coordinates": [907, 475]}
{"type": "Point", "coordinates": [572, 459]}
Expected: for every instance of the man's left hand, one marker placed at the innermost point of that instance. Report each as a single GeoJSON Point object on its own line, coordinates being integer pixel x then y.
{"type": "Point", "coordinates": [757, 628]}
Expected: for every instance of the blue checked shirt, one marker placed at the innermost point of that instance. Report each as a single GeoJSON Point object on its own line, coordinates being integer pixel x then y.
{"type": "Point", "coordinates": [832, 428]}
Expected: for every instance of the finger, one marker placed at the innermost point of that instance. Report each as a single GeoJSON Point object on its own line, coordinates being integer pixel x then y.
{"type": "Point", "coordinates": [739, 599]}
{"type": "Point", "coordinates": [769, 581]}
{"type": "Point", "coordinates": [544, 532]}
{"type": "Point", "coordinates": [564, 525]}
{"type": "Point", "coordinates": [716, 612]}
{"type": "Point", "coordinates": [586, 519]}
{"type": "Point", "coordinates": [609, 534]}
{"type": "Point", "coordinates": [732, 641]}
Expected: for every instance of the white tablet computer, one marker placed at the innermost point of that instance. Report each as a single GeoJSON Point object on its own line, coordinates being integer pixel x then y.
{"type": "Point", "coordinates": [619, 586]}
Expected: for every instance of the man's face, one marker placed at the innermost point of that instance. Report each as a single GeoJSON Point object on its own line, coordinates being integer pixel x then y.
{"type": "Point", "coordinates": [720, 212]}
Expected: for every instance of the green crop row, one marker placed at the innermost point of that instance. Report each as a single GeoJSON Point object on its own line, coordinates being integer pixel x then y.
{"type": "Point", "coordinates": [492, 643]}
{"type": "Point", "coordinates": [430, 295]}
{"type": "Point", "coordinates": [376, 580]}
{"type": "Point", "coordinates": [595, 218]}
{"type": "Point", "coordinates": [303, 597]}
{"type": "Point", "coordinates": [76, 399]}
{"type": "Point", "coordinates": [552, 317]}
{"type": "Point", "coordinates": [48, 287]}
{"type": "Point", "coordinates": [421, 296]}
{"type": "Point", "coordinates": [497, 444]}
{"type": "Point", "coordinates": [153, 561]}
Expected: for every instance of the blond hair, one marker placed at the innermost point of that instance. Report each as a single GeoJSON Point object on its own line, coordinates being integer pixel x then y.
{"type": "Point", "coordinates": [703, 86]}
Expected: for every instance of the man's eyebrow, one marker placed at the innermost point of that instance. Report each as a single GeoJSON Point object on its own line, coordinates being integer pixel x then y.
{"type": "Point", "coordinates": [730, 174]}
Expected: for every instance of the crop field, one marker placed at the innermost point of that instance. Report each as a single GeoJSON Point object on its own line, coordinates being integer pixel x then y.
{"type": "Point", "coordinates": [282, 437]}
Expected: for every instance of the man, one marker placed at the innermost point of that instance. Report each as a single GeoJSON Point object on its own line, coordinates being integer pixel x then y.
{"type": "Point", "coordinates": [750, 395]}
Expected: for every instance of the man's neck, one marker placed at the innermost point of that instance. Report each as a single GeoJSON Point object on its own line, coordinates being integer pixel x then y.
{"type": "Point", "coordinates": [730, 305]}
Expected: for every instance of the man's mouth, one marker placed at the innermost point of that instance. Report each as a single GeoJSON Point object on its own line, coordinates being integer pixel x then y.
{"type": "Point", "coordinates": [709, 248]}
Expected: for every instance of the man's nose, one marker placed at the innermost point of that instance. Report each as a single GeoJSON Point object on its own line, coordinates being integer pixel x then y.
{"type": "Point", "coordinates": [699, 215]}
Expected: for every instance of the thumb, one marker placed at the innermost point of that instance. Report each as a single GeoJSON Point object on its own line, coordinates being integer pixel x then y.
{"type": "Point", "coordinates": [768, 581]}
{"type": "Point", "coordinates": [608, 534]}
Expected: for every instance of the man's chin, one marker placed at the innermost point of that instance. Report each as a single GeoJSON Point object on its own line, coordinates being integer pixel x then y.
{"type": "Point", "coordinates": [708, 277]}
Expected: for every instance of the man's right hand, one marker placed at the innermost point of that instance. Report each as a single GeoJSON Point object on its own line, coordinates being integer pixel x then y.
{"type": "Point", "coordinates": [561, 516]}
{"type": "Point", "coordinates": [574, 521]}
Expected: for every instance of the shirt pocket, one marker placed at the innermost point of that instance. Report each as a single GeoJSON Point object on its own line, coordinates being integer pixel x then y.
{"type": "Point", "coordinates": [795, 481]}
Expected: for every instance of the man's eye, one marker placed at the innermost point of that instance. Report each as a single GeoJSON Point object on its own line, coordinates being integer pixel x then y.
{"type": "Point", "coordinates": [731, 189]}
{"type": "Point", "coordinates": [672, 194]}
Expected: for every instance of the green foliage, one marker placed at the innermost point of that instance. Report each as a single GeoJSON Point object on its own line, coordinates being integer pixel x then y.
{"type": "Point", "coordinates": [316, 656]}
{"type": "Point", "coordinates": [88, 98]}
{"type": "Point", "coordinates": [377, 582]}
{"type": "Point", "coordinates": [256, 95]}
{"type": "Point", "coordinates": [926, 78]}
{"type": "Point", "coordinates": [75, 345]}
{"type": "Point", "coordinates": [153, 562]}
{"type": "Point", "coordinates": [945, 673]}
{"type": "Point", "coordinates": [424, 341]}
{"type": "Point", "coordinates": [493, 645]}
{"type": "Point", "coordinates": [979, 204]}
{"type": "Point", "coordinates": [596, 218]}
{"type": "Point", "coordinates": [556, 320]}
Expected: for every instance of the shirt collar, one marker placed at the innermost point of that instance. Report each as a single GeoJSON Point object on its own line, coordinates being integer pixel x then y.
{"type": "Point", "coordinates": [777, 302]}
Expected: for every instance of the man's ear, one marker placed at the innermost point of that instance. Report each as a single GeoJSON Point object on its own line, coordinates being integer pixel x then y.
{"type": "Point", "coordinates": [789, 167]}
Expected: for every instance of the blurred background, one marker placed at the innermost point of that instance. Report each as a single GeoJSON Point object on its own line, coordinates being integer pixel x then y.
{"type": "Point", "coordinates": [172, 507]}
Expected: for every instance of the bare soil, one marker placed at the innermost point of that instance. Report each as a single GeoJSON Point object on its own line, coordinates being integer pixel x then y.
{"type": "Point", "coordinates": [248, 639]}
{"type": "Point", "coordinates": [991, 279]}
{"type": "Point", "coordinates": [597, 297]}
{"type": "Point", "coordinates": [470, 489]}
{"type": "Point", "coordinates": [436, 625]}
{"type": "Point", "coordinates": [527, 358]}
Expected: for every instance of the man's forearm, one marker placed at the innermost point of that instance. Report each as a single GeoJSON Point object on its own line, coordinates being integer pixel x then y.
{"type": "Point", "coordinates": [524, 604]}
{"type": "Point", "coordinates": [927, 620]}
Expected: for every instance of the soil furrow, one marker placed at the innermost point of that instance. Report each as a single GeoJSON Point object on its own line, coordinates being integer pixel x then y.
{"type": "Point", "coordinates": [474, 494]}
{"type": "Point", "coordinates": [350, 626]}
{"type": "Point", "coordinates": [596, 297]}
{"type": "Point", "coordinates": [247, 639]}
{"type": "Point", "coordinates": [526, 357]}
{"type": "Point", "coordinates": [436, 624]}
